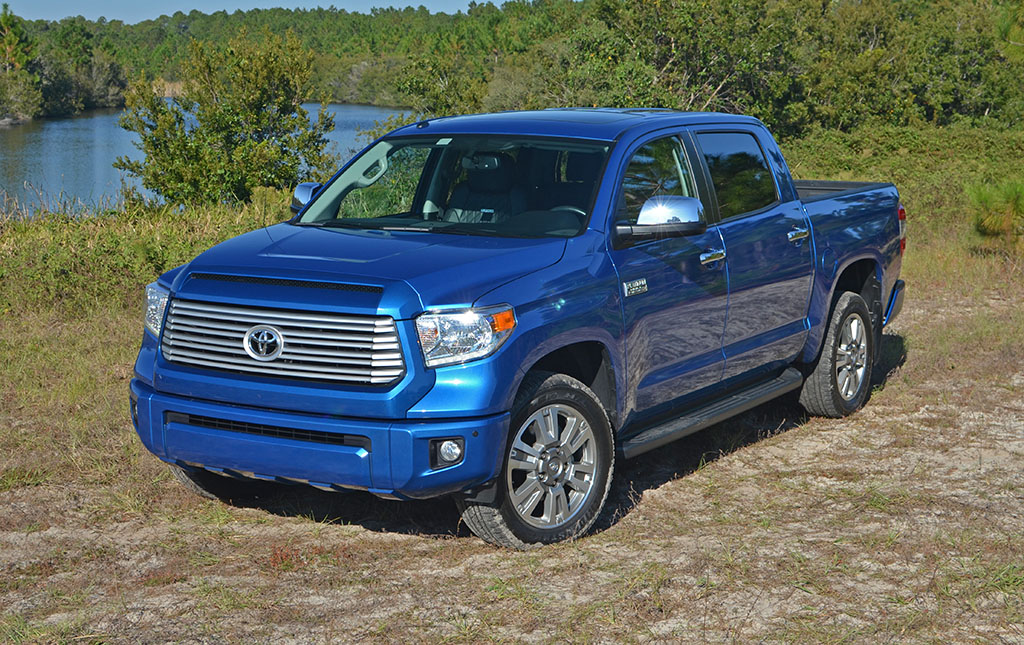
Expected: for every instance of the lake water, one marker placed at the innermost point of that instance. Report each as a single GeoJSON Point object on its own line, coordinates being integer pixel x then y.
{"type": "Point", "coordinates": [54, 160]}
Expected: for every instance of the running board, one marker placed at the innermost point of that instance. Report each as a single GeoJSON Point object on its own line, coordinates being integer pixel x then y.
{"type": "Point", "coordinates": [712, 413]}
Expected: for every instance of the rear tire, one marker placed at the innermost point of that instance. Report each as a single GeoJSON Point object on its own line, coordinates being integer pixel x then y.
{"type": "Point", "coordinates": [839, 383]}
{"type": "Point", "coordinates": [557, 470]}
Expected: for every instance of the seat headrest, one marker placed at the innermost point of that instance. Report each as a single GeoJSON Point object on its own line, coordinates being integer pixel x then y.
{"type": "Point", "coordinates": [493, 173]}
{"type": "Point", "coordinates": [582, 166]}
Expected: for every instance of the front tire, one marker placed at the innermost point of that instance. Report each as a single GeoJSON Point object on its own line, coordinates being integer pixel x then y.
{"type": "Point", "coordinates": [839, 383]}
{"type": "Point", "coordinates": [558, 467]}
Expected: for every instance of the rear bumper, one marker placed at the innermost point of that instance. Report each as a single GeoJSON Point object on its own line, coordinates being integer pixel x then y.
{"type": "Point", "coordinates": [391, 458]}
{"type": "Point", "coordinates": [895, 302]}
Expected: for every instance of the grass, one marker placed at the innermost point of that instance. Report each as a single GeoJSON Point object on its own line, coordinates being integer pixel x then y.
{"type": "Point", "coordinates": [71, 264]}
{"type": "Point", "coordinates": [897, 524]}
{"type": "Point", "coordinates": [19, 476]}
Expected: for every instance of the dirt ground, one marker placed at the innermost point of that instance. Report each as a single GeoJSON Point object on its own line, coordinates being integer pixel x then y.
{"type": "Point", "coordinates": [903, 523]}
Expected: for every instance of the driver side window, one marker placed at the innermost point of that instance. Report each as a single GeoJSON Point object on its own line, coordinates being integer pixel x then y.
{"type": "Point", "coordinates": [657, 168]}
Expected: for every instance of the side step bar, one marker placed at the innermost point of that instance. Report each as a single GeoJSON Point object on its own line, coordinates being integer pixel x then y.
{"type": "Point", "coordinates": [712, 413]}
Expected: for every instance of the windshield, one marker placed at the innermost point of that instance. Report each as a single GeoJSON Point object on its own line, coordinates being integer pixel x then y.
{"type": "Point", "coordinates": [471, 185]}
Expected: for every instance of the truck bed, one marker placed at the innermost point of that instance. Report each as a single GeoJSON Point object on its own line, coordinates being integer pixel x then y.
{"type": "Point", "coordinates": [811, 190]}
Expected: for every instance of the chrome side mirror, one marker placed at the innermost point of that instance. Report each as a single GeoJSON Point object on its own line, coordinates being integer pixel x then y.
{"type": "Point", "coordinates": [671, 209]}
{"type": "Point", "coordinates": [664, 216]}
{"type": "Point", "coordinates": [304, 192]}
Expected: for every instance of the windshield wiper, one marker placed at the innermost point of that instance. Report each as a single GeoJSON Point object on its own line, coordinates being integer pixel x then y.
{"type": "Point", "coordinates": [465, 229]}
{"type": "Point", "coordinates": [373, 226]}
{"type": "Point", "coordinates": [414, 229]}
{"type": "Point", "coordinates": [432, 227]}
{"type": "Point", "coordinates": [354, 223]}
{"type": "Point", "coordinates": [479, 231]}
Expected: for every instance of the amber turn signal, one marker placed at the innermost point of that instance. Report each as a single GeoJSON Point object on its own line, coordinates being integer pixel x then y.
{"type": "Point", "coordinates": [503, 320]}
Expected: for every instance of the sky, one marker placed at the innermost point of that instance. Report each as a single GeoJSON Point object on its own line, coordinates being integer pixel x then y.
{"type": "Point", "coordinates": [132, 11]}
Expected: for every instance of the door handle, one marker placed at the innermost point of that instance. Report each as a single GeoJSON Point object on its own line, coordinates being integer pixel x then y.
{"type": "Point", "coordinates": [712, 256]}
{"type": "Point", "coordinates": [797, 234]}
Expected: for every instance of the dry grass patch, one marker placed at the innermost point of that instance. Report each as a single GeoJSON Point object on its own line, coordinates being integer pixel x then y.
{"type": "Point", "coordinates": [901, 523]}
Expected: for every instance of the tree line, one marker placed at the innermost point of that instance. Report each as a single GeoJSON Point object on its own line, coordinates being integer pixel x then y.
{"type": "Point", "coordinates": [794, 63]}
{"type": "Point", "coordinates": [61, 72]}
{"type": "Point", "coordinates": [238, 80]}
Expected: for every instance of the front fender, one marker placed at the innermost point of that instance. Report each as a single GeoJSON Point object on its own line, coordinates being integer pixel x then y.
{"type": "Point", "coordinates": [575, 300]}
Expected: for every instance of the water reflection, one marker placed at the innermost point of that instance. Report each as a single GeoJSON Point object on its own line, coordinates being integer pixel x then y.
{"type": "Point", "coordinates": [53, 160]}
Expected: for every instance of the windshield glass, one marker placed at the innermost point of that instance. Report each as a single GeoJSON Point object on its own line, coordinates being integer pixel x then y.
{"type": "Point", "coordinates": [471, 185]}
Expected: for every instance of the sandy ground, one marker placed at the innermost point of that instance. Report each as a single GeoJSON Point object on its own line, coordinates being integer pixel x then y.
{"type": "Point", "coordinates": [903, 523]}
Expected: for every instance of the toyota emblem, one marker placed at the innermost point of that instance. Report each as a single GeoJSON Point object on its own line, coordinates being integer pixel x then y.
{"type": "Point", "coordinates": [263, 342]}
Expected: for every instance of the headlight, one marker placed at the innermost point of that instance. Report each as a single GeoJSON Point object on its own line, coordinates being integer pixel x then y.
{"type": "Point", "coordinates": [156, 302]}
{"type": "Point", "coordinates": [459, 336]}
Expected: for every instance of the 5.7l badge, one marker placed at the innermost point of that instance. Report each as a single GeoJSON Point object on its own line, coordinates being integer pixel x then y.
{"type": "Point", "coordinates": [634, 287]}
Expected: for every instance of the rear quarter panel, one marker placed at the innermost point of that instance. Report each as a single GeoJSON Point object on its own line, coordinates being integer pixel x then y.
{"type": "Point", "coordinates": [847, 228]}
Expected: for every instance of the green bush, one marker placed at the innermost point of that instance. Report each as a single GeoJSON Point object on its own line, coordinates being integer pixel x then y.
{"type": "Point", "coordinates": [795, 64]}
{"type": "Point", "coordinates": [929, 165]}
{"type": "Point", "coordinates": [238, 124]}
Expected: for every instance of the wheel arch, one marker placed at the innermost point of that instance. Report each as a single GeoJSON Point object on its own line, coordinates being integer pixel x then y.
{"type": "Point", "coordinates": [861, 275]}
{"type": "Point", "coordinates": [589, 362]}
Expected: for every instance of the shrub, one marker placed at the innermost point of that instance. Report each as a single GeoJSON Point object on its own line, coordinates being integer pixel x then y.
{"type": "Point", "coordinates": [238, 124]}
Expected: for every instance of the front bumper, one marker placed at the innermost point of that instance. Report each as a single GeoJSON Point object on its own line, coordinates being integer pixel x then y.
{"type": "Point", "coordinates": [384, 457]}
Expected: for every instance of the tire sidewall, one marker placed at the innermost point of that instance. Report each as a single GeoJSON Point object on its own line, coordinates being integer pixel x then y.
{"type": "Point", "coordinates": [850, 303]}
{"type": "Point", "coordinates": [557, 390]}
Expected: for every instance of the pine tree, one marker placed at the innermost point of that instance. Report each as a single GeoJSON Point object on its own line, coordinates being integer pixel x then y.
{"type": "Point", "coordinates": [15, 47]}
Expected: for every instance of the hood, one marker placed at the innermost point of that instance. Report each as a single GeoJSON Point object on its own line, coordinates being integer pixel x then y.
{"type": "Point", "coordinates": [387, 272]}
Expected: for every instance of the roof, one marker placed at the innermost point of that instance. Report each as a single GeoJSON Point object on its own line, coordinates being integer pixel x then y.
{"type": "Point", "coordinates": [605, 124]}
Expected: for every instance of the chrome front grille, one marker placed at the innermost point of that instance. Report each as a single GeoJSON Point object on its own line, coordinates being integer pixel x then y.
{"type": "Point", "coordinates": [316, 346]}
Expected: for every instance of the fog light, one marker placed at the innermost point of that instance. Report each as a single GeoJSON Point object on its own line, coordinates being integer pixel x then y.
{"type": "Point", "coordinates": [449, 451]}
{"type": "Point", "coordinates": [445, 453]}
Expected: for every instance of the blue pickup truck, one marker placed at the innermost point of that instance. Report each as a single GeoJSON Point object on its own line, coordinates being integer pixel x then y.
{"type": "Point", "coordinates": [496, 307]}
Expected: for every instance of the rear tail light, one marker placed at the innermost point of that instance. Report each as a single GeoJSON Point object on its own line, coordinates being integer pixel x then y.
{"type": "Point", "coordinates": [901, 215]}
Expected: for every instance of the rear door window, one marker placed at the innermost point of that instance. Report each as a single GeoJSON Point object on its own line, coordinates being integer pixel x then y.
{"type": "Point", "coordinates": [739, 172]}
